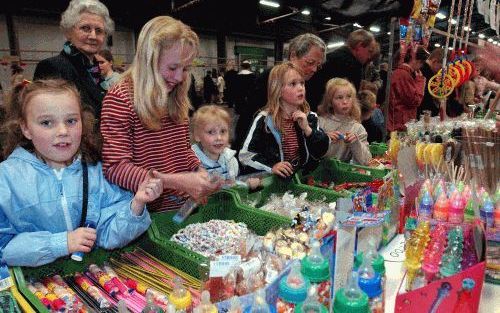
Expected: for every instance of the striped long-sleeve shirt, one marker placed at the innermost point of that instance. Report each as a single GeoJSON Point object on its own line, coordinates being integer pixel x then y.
{"type": "Point", "coordinates": [130, 150]}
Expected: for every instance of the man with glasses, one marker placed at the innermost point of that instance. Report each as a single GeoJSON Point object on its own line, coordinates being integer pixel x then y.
{"type": "Point", "coordinates": [345, 62]}
{"type": "Point", "coordinates": [307, 52]}
{"type": "Point", "coordinates": [85, 25]}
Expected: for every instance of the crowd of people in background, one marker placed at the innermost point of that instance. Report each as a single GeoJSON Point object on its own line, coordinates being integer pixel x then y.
{"type": "Point", "coordinates": [131, 132]}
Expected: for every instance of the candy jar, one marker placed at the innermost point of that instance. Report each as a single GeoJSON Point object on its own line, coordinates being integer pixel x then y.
{"type": "Point", "coordinates": [180, 297]}
{"type": "Point", "coordinates": [456, 212]}
{"type": "Point", "coordinates": [441, 208]}
{"type": "Point", "coordinates": [316, 269]}
{"type": "Point", "coordinates": [369, 281]}
{"type": "Point", "coordinates": [292, 290]}
{"type": "Point", "coordinates": [311, 305]}
{"type": "Point", "coordinates": [351, 299]}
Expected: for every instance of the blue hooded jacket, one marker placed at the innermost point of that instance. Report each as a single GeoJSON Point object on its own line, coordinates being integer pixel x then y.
{"type": "Point", "coordinates": [39, 205]}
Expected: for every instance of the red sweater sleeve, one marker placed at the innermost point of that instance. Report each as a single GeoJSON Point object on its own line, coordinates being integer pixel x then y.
{"type": "Point", "coordinates": [116, 123]}
{"type": "Point", "coordinates": [409, 90]}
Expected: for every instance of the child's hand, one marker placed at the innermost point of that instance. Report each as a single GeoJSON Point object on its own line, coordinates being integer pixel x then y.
{"type": "Point", "coordinates": [301, 119]}
{"type": "Point", "coordinates": [81, 239]}
{"type": "Point", "coordinates": [197, 185]}
{"type": "Point", "coordinates": [150, 189]}
{"type": "Point", "coordinates": [350, 138]}
{"type": "Point", "coordinates": [336, 136]}
{"type": "Point", "coordinates": [283, 169]}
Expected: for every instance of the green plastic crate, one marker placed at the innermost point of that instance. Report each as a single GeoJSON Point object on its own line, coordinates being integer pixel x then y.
{"type": "Point", "coordinates": [375, 173]}
{"type": "Point", "coordinates": [63, 267]}
{"type": "Point", "coordinates": [276, 185]}
{"type": "Point", "coordinates": [222, 205]}
{"type": "Point", "coordinates": [377, 148]}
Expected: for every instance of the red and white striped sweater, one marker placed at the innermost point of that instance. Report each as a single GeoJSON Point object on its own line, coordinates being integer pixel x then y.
{"type": "Point", "coordinates": [130, 150]}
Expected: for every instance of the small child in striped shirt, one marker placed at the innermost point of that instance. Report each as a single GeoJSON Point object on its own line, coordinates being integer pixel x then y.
{"type": "Point", "coordinates": [285, 135]}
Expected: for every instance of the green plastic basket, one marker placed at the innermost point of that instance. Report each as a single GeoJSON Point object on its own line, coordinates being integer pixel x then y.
{"type": "Point", "coordinates": [377, 148]}
{"type": "Point", "coordinates": [63, 267]}
{"type": "Point", "coordinates": [222, 205]}
{"type": "Point", "coordinates": [276, 185]}
{"type": "Point", "coordinates": [375, 173]}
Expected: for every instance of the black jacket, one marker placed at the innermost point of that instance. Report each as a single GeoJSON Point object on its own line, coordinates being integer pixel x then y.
{"type": "Point", "coordinates": [340, 63]}
{"type": "Point", "coordinates": [263, 147]}
{"type": "Point", "coordinates": [428, 102]}
{"type": "Point", "coordinates": [73, 68]}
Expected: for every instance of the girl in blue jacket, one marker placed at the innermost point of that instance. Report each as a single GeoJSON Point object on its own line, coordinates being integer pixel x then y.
{"type": "Point", "coordinates": [285, 135]}
{"type": "Point", "coordinates": [48, 144]}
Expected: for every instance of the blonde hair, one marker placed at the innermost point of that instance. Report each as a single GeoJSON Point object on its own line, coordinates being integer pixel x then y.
{"type": "Point", "coordinates": [275, 86]}
{"type": "Point", "coordinates": [21, 96]}
{"type": "Point", "coordinates": [367, 101]}
{"type": "Point", "coordinates": [332, 86]}
{"type": "Point", "coordinates": [207, 114]}
{"type": "Point", "coordinates": [152, 101]}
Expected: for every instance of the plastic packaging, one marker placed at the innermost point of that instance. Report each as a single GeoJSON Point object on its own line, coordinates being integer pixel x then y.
{"type": "Point", "coordinates": [469, 214]}
{"type": "Point", "coordinates": [206, 306]}
{"type": "Point", "coordinates": [259, 303]}
{"type": "Point", "coordinates": [180, 296]}
{"type": "Point", "coordinates": [441, 208]}
{"type": "Point", "coordinates": [292, 290]}
{"type": "Point", "coordinates": [414, 251]}
{"type": "Point", "coordinates": [78, 256]}
{"type": "Point", "coordinates": [452, 256]}
{"type": "Point", "coordinates": [316, 269]}
{"type": "Point", "coordinates": [369, 281]}
{"type": "Point", "coordinates": [486, 212]}
{"type": "Point", "coordinates": [311, 305]}
{"type": "Point", "coordinates": [434, 252]}
{"type": "Point", "coordinates": [425, 206]}
{"type": "Point", "coordinates": [351, 299]}
{"type": "Point", "coordinates": [456, 212]}
{"type": "Point", "coordinates": [235, 306]}
{"type": "Point", "coordinates": [151, 307]}
{"type": "Point", "coordinates": [104, 279]}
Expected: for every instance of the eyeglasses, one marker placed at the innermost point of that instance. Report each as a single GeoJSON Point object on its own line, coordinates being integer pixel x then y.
{"type": "Point", "coordinates": [86, 29]}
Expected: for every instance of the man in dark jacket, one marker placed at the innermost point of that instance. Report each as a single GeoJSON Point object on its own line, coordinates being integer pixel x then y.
{"type": "Point", "coordinates": [429, 69]}
{"type": "Point", "coordinates": [345, 62]}
{"type": "Point", "coordinates": [244, 85]}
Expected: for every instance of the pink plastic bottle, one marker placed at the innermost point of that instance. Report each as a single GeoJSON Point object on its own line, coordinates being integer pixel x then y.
{"type": "Point", "coordinates": [441, 208]}
{"type": "Point", "coordinates": [456, 211]}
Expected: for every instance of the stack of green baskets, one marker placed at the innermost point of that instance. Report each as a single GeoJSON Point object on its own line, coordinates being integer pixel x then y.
{"type": "Point", "coordinates": [222, 205]}
{"type": "Point", "coordinates": [374, 173]}
{"type": "Point", "coordinates": [278, 186]}
{"type": "Point", "coordinates": [378, 148]}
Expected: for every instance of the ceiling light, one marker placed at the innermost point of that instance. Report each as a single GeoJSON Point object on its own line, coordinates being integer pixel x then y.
{"type": "Point", "coordinates": [328, 18]}
{"type": "Point", "coordinates": [441, 16]}
{"type": "Point", "coordinates": [270, 3]}
{"type": "Point", "coordinates": [490, 40]}
{"type": "Point", "coordinates": [437, 45]}
{"type": "Point", "coordinates": [466, 28]}
{"type": "Point", "coordinates": [453, 21]}
{"type": "Point", "coordinates": [374, 29]}
{"type": "Point", "coordinates": [306, 12]}
{"type": "Point", "coordinates": [450, 48]}
{"type": "Point", "coordinates": [388, 33]}
{"type": "Point", "coordinates": [473, 33]}
{"type": "Point", "coordinates": [481, 36]}
{"type": "Point", "coordinates": [495, 42]}
{"type": "Point", "coordinates": [335, 44]}
{"type": "Point", "coordinates": [357, 25]}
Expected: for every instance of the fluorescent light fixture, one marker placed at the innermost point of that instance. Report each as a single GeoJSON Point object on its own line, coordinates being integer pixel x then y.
{"type": "Point", "coordinates": [437, 45]}
{"type": "Point", "coordinates": [335, 44]}
{"type": "Point", "coordinates": [357, 25]}
{"type": "Point", "coordinates": [453, 21]}
{"type": "Point", "coordinates": [490, 40]}
{"type": "Point", "coordinates": [374, 29]}
{"type": "Point", "coordinates": [481, 36]}
{"type": "Point", "coordinates": [270, 3]}
{"type": "Point", "coordinates": [328, 18]}
{"type": "Point", "coordinates": [441, 16]}
{"type": "Point", "coordinates": [306, 12]}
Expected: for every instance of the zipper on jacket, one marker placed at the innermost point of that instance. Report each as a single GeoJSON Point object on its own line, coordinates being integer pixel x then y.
{"type": "Point", "coordinates": [64, 202]}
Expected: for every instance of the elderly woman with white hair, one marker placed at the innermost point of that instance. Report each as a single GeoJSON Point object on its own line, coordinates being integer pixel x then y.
{"type": "Point", "coordinates": [85, 24]}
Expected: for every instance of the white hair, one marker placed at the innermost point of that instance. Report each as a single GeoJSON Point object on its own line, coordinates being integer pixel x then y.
{"type": "Point", "coordinates": [71, 16]}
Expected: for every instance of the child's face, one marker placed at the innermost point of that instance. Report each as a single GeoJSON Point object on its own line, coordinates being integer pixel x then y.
{"type": "Point", "coordinates": [213, 137]}
{"type": "Point", "coordinates": [293, 92]}
{"type": "Point", "coordinates": [53, 123]}
{"type": "Point", "coordinates": [342, 101]}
